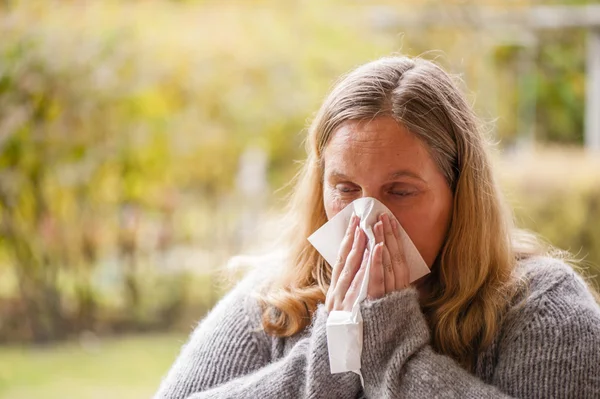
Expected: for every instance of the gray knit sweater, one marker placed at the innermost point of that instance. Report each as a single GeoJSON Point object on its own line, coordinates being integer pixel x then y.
{"type": "Point", "coordinates": [548, 347]}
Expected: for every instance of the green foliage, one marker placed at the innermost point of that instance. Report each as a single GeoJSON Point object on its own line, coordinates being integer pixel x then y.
{"type": "Point", "coordinates": [561, 86]}
{"type": "Point", "coordinates": [108, 129]}
{"type": "Point", "coordinates": [122, 126]}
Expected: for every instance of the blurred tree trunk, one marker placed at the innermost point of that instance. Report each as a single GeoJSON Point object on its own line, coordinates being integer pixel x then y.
{"type": "Point", "coordinates": [35, 275]}
{"type": "Point", "coordinates": [128, 253]}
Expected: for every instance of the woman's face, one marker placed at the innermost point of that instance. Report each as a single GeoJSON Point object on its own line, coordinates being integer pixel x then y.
{"type": "Point", "coordinates": [382, 159]}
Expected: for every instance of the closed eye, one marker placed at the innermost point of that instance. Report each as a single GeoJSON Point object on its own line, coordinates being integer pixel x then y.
{"type": "Point", "coordinates": [402, 193]}
{"type": "Point", "coordinates": [346, 188]}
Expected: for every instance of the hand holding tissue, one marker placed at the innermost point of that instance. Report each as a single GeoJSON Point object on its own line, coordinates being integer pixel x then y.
{"type": "Point", "coordinates": [344, 328]}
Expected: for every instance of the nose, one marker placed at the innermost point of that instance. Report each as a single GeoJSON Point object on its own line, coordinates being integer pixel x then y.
{"type": "Point", "coordinates": [372, 194]}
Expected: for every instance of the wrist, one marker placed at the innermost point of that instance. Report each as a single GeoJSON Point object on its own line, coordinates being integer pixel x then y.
{"type": "Point", "coordinates": [394, 327]}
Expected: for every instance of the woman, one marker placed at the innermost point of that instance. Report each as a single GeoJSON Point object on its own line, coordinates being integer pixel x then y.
{"type": "Point", "coordinates": [496, 317]}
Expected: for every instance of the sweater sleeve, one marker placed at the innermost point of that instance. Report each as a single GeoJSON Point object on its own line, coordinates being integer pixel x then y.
{"type": "Point", "coordinates": [228, 356]}
{"type": "Point", "coordinates": [549, 349]}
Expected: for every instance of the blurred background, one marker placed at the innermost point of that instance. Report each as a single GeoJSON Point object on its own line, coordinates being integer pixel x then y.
{"type": "Point", "coordinates": [143, 143]}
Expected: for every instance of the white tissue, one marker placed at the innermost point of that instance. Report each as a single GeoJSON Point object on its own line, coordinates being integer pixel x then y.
{"type": "Point", "coordinates": [344, 329]}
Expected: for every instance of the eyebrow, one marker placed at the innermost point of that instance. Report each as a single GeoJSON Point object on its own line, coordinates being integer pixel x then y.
{"type": "Point", "coordinates": [395, 175]}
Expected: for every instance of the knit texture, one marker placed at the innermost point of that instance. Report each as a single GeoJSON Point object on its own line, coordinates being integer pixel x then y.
{"type": "Point", "coordinates": [548, 347]}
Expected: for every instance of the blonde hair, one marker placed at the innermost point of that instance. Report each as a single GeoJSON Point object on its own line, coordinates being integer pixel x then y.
{"type": "Point", "coordinates": [472, 280]}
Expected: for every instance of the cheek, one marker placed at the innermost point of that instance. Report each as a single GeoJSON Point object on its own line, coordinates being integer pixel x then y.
{"type": "Point", "coordinates": [427, 225]}
{"type": "Point", "coordinates": [332, 203]}
{"type": "Point", "coordinates": [426, 241]}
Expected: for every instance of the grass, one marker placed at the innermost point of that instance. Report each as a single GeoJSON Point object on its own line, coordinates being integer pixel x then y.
{"type": "Point", "coordinates": [124, 367]}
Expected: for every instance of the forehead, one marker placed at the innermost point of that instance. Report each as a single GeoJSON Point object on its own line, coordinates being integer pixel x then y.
{"type": "Point", "coordinates": [378, 145]}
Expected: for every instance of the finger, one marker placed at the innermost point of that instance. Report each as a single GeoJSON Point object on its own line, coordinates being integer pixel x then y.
{"type": "Point", "coordinates": [376, 279]}
{"type": "Point", "coordinates": [401, 271]}
{"type": "Point", "coordinates": [345, 248]}
{"type": "Point", "coordinates": [354, 288]}
{"type": "Point", "coordinates": [394, 246]}
{"type": "Point", "coordinates": [396, 230]}
{"type": "Point", "coordinates": [390, 238]}
{"type": "Point", "coordinates": [388, 270]}
{"type": "Point", "coordinates": [351, 267]}
{"type": "Point", "coordinates": [395, 225]}
{"type": "Point", "coordinates": [378, 231]}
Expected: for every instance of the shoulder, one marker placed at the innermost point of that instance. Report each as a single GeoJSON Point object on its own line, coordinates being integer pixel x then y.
{"type": "Point", "coordinates": [225, 344]}
{"type": "Point", "coordinates": [240, 301]}
{"type": "Point", "coordinates": [232, 327]}
{"type": "Point", "coordinates": [553, 299]}
{"type": "Point", "coordinates": [550, 338]}
{"type": "Point", "coordinates": [548, 279]}
{"type": "Point", "coordinates": [238, 313]}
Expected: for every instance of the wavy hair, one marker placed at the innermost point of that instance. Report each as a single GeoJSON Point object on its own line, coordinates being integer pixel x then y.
{"type": "Point", "coordinates": [472, 279]}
